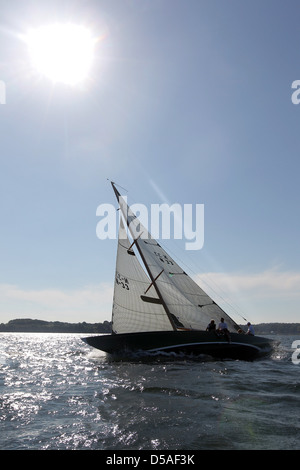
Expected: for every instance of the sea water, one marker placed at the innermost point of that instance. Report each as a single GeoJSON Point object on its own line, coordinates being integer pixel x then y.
{"type": "Point", "coordinates": [56, 392]}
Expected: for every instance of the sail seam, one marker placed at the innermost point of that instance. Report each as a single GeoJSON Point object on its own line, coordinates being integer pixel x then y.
{"type": "Point", "coordinates": [138, 311]}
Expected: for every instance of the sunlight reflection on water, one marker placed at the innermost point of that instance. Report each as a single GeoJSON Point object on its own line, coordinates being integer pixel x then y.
{"type": "Point", "coordinates": [58, 393]}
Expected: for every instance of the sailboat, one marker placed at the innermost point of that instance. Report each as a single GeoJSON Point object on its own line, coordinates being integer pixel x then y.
{"type": "Point", "coordinates": [158, 309]}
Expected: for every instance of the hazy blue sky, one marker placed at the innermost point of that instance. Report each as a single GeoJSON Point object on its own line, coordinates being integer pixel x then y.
{"type": "Point", "coordinates": [189, 101]}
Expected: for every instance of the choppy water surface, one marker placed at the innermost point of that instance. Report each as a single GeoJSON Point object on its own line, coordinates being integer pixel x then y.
{"type": "Point", "coordinates": [56, 392]}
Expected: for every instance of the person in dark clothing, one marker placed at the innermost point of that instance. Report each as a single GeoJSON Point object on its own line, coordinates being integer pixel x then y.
{"type": "Point", "coordinates": [211, 326]}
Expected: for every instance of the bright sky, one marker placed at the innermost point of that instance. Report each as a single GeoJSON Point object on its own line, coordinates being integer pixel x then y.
{"type": "Point", "coordinates": [186, 102]}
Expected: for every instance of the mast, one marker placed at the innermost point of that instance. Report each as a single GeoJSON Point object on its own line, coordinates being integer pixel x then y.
{"type": "Point", "coordinates": [118, 195]}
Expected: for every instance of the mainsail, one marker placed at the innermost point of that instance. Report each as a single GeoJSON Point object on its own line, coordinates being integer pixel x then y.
{"type": "Point", "coordinates": [167, 299]}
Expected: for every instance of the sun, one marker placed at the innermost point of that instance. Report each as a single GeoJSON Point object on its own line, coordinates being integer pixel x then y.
{"type": "Point", "coordinates": [62, 52]}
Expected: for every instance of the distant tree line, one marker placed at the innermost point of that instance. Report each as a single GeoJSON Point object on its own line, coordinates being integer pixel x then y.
{"type": "Point", "coordinates": [277, 328]}
{"type": "Point", "coordinates": [27, 325]}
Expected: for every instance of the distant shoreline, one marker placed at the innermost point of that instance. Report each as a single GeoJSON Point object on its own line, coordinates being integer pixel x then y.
{"type": "Point", "coordinates": [28, 325]}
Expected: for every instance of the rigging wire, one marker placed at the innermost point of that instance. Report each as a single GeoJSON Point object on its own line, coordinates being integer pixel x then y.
{"type": "Point", "coordinates": [116, 184]}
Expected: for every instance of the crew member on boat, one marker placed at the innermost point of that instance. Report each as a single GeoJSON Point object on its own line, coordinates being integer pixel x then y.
{"type": "Point", "coordinates": [250, 330]}
{"type": "Point", "coordinates": [223, 329]}
{"type": "Point", "coordinates": [211, 326]}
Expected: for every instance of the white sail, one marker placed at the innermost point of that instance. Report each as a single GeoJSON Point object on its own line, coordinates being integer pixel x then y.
{"type": "Point", "coordinates": [192, 307]}
{"type": "Point", "coordinates": [185, 303]}
{"type": "Point", "coordinates": [133, 309]}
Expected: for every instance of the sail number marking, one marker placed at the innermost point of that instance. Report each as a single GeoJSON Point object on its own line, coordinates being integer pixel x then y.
{"type": "Point", "coordinates": [122, 281]}
{"type": "Point", "coordinates": [163, 258]}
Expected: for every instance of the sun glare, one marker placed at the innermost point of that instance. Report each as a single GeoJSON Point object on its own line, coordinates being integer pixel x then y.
{"type": "Point", "coordinates": [62, 52]}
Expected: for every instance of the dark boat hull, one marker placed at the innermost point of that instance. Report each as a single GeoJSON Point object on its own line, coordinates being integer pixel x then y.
{"type": "Point", "coordinates": [189, 343]}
